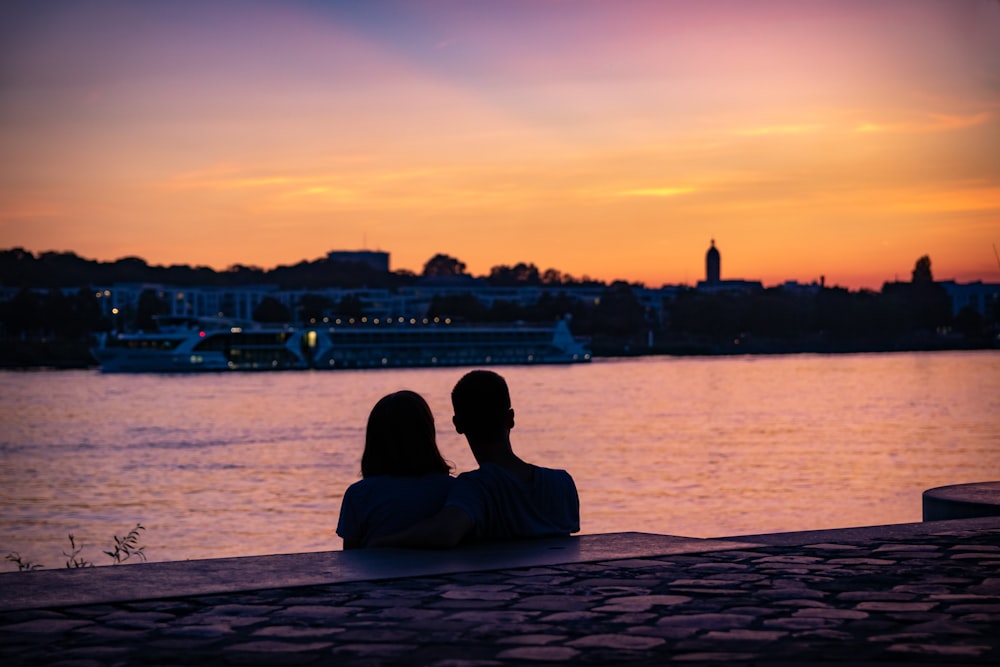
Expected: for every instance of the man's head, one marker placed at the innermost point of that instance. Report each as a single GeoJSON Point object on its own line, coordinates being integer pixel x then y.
{"type": "Point", "coordinates": [482, 405]}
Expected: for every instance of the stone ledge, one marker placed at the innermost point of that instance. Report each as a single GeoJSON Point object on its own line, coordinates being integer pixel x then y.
{"type": "Point", "coordinates": [962, 501]}
{"type": "Point", "coordinates": [54, 588]}
{"type": "Point", "coordinates": [904, 531]}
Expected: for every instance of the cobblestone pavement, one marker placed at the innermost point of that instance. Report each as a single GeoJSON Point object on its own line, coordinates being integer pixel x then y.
{"type": "Point", "coordinates": [927, 599]}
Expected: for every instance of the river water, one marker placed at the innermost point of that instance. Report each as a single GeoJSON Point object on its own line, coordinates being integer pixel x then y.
{"type": "Point", "coordinates": [220, 465]}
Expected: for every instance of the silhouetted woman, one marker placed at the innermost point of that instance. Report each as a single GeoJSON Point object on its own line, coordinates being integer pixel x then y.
{"type": "Point", "coordinates": [404, 477]}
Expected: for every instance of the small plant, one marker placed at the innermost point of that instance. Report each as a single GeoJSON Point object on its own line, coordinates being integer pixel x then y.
{"type": "Point", "coordinates": [73, 558]}
{"type": "Point", "coordinates": [128, 546]}
{"type": "Point", "coordinates": [22, 565]}
{"type": "Point", "coordinates": [123, 549]}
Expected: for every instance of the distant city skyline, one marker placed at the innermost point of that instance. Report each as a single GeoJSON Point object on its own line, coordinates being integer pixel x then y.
{"type": "Point", "coordinates": [609, 140]}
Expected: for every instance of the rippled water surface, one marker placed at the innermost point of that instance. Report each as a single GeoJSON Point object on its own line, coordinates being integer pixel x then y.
{"type": "Point", "coordinates": [244, 464]}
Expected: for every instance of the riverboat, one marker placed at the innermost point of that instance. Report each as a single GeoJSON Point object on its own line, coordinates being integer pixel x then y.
{"type": "Point", "coordinates": [189, 346]}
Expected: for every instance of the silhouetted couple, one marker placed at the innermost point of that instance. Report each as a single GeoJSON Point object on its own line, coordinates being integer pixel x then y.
{"type": "Point", "coordinates": [407, 497]}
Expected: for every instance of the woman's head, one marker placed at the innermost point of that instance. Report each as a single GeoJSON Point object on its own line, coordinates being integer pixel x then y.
{"type": "Point", "coordinates": [400, 439]}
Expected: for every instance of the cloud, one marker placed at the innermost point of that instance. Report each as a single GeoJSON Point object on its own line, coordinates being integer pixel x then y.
{"type": "Point", "coordinates": [656, 192]}
{"type": "Point", "coordinates": [929, 124]}
{"type": "Point", "coordinates": [780, 129]}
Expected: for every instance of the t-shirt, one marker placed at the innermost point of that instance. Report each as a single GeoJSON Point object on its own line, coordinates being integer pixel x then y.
{"type": "Point", "coordinates": [503, 507]}
{"type": "Point", "coordinates": [383, 505]}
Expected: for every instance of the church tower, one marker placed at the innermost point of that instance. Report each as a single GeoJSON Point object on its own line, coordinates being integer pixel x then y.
{"type": "Point", "coordinates": [713, 265]}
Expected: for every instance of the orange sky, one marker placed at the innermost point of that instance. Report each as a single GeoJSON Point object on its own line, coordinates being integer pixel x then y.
{"type": "Point", "coordinates": [809, 138]}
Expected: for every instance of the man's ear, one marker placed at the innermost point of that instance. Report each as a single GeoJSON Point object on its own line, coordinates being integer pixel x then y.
{"type": "Point", "coordinates": [510, 418]}
{"type": "Point", "coordinates": [458, 425]}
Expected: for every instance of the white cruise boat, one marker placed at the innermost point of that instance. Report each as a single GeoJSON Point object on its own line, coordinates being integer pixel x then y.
{"type": "Point", "coordinates": [186, 346]}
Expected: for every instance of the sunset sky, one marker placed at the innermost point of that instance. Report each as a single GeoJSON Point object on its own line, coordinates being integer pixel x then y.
{"type": "Point", "coordinates": [607, 138]}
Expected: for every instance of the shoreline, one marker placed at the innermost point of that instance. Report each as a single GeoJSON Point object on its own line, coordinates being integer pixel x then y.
{"type": "Point", "coordinates": [35, 356]}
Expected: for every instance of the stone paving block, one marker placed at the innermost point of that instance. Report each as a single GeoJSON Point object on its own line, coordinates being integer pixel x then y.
{"type": "Point", "coordinates": [801, 623]}
{"type": "Point", "coordinates": [751, 610]}
{"type": "Point", "coordinates": [975, 547]}
{"type": "Point", "coordinates": [671, 632]}
{"type": "Point", "coordinates": [855, 562]}
{"type": "Point", "coordinates": [901, 637]}
{"type": "Point", "coordinates": [378, 635]}
{"type": "Point", "coordinates": [556, 602]}
{"type": "Point", "coordinates": [532, 640]}
{"type": "Point", "coordinates": [637, 563]}
{"type": "Point", "coordinates": [904, 547]}
{"type": "Point", "coordinates": [493, 616]}
{"type": "Point", "coordinates": [787, 559]}
{"type": "Point", "coordinates": [713, 657]}
{"type": "Point", "coordinates": [830, 613]}
{"type": "Point", "coordinates": [313, 613]}
{"type": "Point", "coordinates": [255, 610]}
{"type": "Point", "coordinates": [375, 650]}
{"type": "Point", "coordinates": [111, 634]}
{"type": "Point", "coordinates": [707, 621]}
{"type": "Point", "coordinates": [824, 546]}
{"type": "Point", "coordinates": [946, 650]}
{"type": "Point", "coordinates": [45, 626]}
{"type": "Point", "coordinates": [989, 586]}
{"type": "Point", "coordinates": [720, 567]}
{"type": "Point", "coordinates": [295, 632]}
{"type": "Point", "coordinates": [617, 641]}
{"type": "Point", "coordinates": [745, 635]}
{"type": "Point", "coordinates": [636, 603]}
{"type": "Point", "coordinates": [446, 605]}
{"type": "Point", "coordinates": [403, 614]}
{"type": "Point", "coordinates": [572, 616]}
{"type": "Point", "coordinates": [993, 619]}
{"type": "Point", "coordinates": [199, 631]}
{"type": "Point", "coordinates": [989, 558]}
{"type": "Point", "coordinates": [278, 647]}
{"type": "Point", "coordinates": [880, 596]}
{"type": "Point", "coordinates": [738, 577]}
{"type": "Point", "coordinates": [895, 606]}
{"type": "Point", "coordinates": [630, 618]}
{"type": "Point", "coordinates": [539, 654]}
{"type": "Point", "coordinates": [974, 608]}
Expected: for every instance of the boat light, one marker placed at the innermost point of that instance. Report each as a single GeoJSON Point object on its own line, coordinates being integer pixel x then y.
{"type": "Point", "coordinates": [201, 334]}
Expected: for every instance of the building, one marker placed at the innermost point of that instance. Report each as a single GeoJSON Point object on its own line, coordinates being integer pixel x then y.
{"type": "Point", "coordinates": [984, 298]}
{"type": "Point", "coordinates": [713, 276]}
{"type": "Point", "coordinates": [713, 265]}
{"type": "Point", "coordinates": [376, 259]}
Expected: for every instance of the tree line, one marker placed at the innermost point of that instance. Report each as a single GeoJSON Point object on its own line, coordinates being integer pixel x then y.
{"type": "Point", "coordinates": [47, 270]}
{"type": "Point", "coordinates": [44, 325]}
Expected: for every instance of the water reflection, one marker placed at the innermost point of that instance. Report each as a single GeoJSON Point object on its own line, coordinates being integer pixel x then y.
{"type": "Point", "coordinates": [241, 464]}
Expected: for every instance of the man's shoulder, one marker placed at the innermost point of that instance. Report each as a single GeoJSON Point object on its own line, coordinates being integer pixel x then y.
{"type": "Point", "coordinates": [491, 473]}
{"type": "Point", "coordinates": [384, 483]}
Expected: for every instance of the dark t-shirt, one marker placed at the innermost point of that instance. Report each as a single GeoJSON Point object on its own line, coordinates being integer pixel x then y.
{"type": "Point", "coordinates": [503, 507]}
{"type": "Point", "coordinates": [383, 505]}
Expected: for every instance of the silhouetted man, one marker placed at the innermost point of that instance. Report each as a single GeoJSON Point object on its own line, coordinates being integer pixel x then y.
{"type": "Point", "coordinates": [506, 497]}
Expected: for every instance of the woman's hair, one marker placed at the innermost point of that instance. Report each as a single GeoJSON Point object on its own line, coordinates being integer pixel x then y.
{"type": "Point", "coordinates": [400, 439]}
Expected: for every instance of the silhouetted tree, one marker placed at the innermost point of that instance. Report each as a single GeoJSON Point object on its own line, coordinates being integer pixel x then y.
{"type": "Point", "coordinates": [465, 306]}
{"type": "Point", "coordinates": [619, 313]}
{"type": "Point", "coordinates": [922, 271]}
{"type": "Point", "coordinates": [22, 314]}
{"type": "Point", "coordinates": [519, 275]}
{"type": "Point", "coordinates": [443, 265]}
{"type": "Point", "coordinates": [350, 306]}
{"type": "Point", "coordinates": [149, 306]}
{"type": "Point", "coordinates": [314, 307]}
{"type": "Point", "coordinates": [270, 310]}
